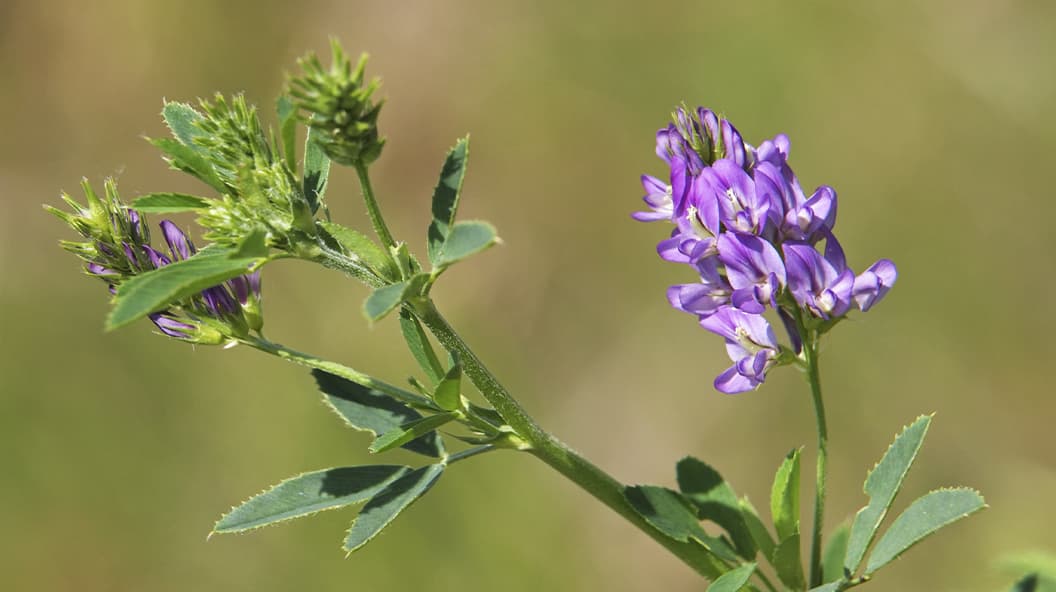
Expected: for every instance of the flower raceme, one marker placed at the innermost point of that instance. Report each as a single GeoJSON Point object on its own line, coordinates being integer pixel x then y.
{"type": "Point", "coordinates": [118, 247]}
{"type": "Point", "coordinates": [755, 239]}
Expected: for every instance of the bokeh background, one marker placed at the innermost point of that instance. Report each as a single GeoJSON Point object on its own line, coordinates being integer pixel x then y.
{"type": "Point", "coordinates": [934, 121]}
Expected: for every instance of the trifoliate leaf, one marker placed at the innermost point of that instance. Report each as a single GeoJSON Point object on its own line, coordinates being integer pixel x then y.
{"type": "Point", "coordinates": [389, 503]}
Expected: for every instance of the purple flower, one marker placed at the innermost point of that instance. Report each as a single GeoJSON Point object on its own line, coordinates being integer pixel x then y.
{"type": "Point", "coordinates": [658, 198]}
{"type": "Point", "coordinates": [819, 284]}
{"type": "Point", "coordinates": [873, 283]}
{"type": "Point", "coordinates": [741, 207]}
{"type": "Point", "coordinates": [750, 343]}
{"type": "Point", "coordinates": [754, 269]}
{"type": "Point", "coordinates": [705, 297]}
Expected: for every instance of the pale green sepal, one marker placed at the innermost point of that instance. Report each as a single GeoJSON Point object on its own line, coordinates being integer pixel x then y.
{"type": "Point", "coordinates": [830, 587]}
{"type": "Point", "coordinates": [187, 159]}
{"type": "Point", "coordinates": [734, 580]}
{"type": "Point", "coordinates": [410, 431]}
{"type": "Point", "coordinates": [835, 551]}
{"type": "Point", "coordinates": [309, 493]}
{"type": "Point", "coordinates": [169, 203]}
{"type": "Point", "coordinates": [715, 501]}
{"type": "Point", "coordinates": [923, 517]}
{"type": "Point", "coordinates": [316, 170]}
{"type": "Point", "coordinates": [465, 239]}
{"type": "Point", "coordinates": [159, 288]}
{"type": "Point", "coordinates": [287, 114]}
{"type": "Point", "coordinates": [373, 411]}
{"type": "Point", "coordinates": [445, 197]}
{"type": "Point", "coordinates": [359, 245]}
{"type": "Point", "coordinates": [448, 394]}
{"type": "Point", "coordinates": [421, 349]}
{"type": "Point", "coordinates": [784, 497]}
{"type": "Point", "coordinates": [672, 514]}
{"type": "Point", "coordinates": [387, 505]}
{"type": "Point", "coordinates": [182, 120]}
{"type": "Point", "coordinates": [763, 541]}
{"type": "Point", "coordinates": [788, 564]}
{"type": "Point", "coordinates": [882, 486]}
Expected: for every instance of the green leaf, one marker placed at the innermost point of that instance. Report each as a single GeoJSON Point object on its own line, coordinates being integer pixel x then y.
{"type": "Point", "coordinates": [287, 113]}
{"type": "Point", "coordinates": [881, 486]}
{"type": "Point", "coordinates": [715, 501]}
{"type": "Point", "coordinates": [835, 551]}
{"type": "Point", "coordinates": [160, 288]}
{"type": "Point", "coordinates": [465, 239]}
{"type": "Point", "coordinates": [316, 170]}
{"type": "Point", "coordinates": [387, 298]}
{"type": "Point", "coordinates": [182, 120]}
{"type": "Point", "coordinates": [387, 505]}
{"type": "Point", "coordinates": [167, 203]}
{"type": "Point", "coordinates": [734, 580]}
{"type": "Point", "coordinates": [362, 247]}
{"type": "Point", "coordinates": [445, 197]}
{"type": "Point", "coordinates": [1028, 584]}
{"type": "Point", "coordinates": [788, 564]}
{"type": "Point", "coordinates": [784, 497]}
{"type": "Point", "coordinates": [921, 518]}
{"type": "Point", "coordinates": [421, 349]}
{"type": "Point", "coordinates": [410, 431]}
{"type": "Point", "coordinates": [830, 587]}
{"type": "Point", "coordinates": [372, 411]}
{"type": "Point", "coordinates": [310, 493]}
{"type": "Point", "coordinates": [253, 246]}
{"type": "Point", "coordinates": [675, 516]}
{"type": "Point", "coordinates": [189, 160]}
{"type": "Point", "coordinates": [448, 392]}
{"type": "Point", "coordinates": [763, 541]}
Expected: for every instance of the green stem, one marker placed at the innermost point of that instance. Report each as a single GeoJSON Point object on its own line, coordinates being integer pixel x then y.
{"type": "Point", "coordinates": [372, 208]}
{"type": "Point", "coordinates": [557, 455]}
{"type": "Point", "coordinates": [343, 371]}
{"type": "Point", "coordinates": [810, 358]}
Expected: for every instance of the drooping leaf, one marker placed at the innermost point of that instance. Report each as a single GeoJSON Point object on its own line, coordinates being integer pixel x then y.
{"type": "Point", "coordinates": [360, 245]}
{"type": "Point", "coordinates": [372, 411]}
{"type": "Point", "coordinates": [465, 239]}
{"type": "Point", "coordinates": [445, 197]}
{"type": "Point", "coordinates": [921, 518]}
{"type": "Point", "coordinates": [410, 431]}
{"type": "Point", "coordinates": [881, 486]}
{"type": "Point", "coordinates": [675, 516]}
{"type": "Point", "coordinates": [835, 551]}
{"type": "Point", "coordinates": [316, 170]}
{"type": "Point", "coordinates": [308, 494]}
{"type": "Point", "coordinates": [182, 120]}
{"type": "Point", "coordinates": [788, 563]}
{"type": "Point", "coordinates": [449, 390]}
{"type": "Point", "coordinates": [155, 290]}
{"type": "Point", "coordinates": [287, 113]}
{"type": "Point", "coordinates": [168, 203]}
{"type": "Point", "coordinates": [784, 497]}
{"type": "Point", "coordinates": [187, 159]}
{"type": "Point", "coordinates": [387, 505]}
{"type": "Point", "coordinates": [715, 501]}
{"type": "Point", "coordinates": [760, 535]}
{"type": "Point", "coordinates": [421, 349]}
{"type": "Point", "coordinates": [734, 580]}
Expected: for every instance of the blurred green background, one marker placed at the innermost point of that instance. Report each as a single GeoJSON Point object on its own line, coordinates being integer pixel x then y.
{"type": "Point", "coordinates": [934, 122]}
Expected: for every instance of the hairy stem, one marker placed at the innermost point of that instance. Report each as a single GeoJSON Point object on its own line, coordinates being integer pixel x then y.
{"type": "Point", "coordinates": [372, 208]}
{"type": "Point", "coordinates": [557, 455]}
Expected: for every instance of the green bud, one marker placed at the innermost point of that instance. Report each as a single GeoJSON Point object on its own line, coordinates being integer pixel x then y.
{"type": "Point", "coordinates": [338, 105]}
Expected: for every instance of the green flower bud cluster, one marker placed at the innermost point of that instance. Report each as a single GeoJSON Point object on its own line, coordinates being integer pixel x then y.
{"type": "Point", "coordinates": [336, 104]}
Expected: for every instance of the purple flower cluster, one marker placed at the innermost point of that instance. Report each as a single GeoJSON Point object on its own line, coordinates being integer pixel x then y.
{"type": "Point", "coordinates": [755, 239]}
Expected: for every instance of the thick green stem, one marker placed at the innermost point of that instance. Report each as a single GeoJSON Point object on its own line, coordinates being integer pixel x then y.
{"type": "Point", "coordinates": [372, 208]}
{"type": "Point", "coordinates": [810, 357]}
{"type": "Point", "coordinates": [557, 455]}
